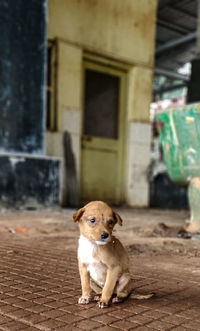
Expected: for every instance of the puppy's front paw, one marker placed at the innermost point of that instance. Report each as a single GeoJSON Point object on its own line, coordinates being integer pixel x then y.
{"type": "Point", "coordinates": [97, 298]}
{"type": "Point", "coordinates": [117, 300]}
{"type": "Point", "coordinates": [103, 304]}
{"type": "Point", "coordinates": [84, 300]}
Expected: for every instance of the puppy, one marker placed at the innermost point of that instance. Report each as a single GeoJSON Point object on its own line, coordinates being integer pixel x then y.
{"type": "Point", "coordinates": [103, 261]}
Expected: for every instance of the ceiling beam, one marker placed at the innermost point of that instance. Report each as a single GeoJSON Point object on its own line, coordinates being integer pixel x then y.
{"type": "Point", "coordinates": [172, 26]}
{"type": "Point", "coordinates": [177, 56]}
{"type": "Point", "coordinates": [176, 42]}
{"type": "Point", "coordinates": [182, 11]}
{"type": "Point", "coordinates": [169, 3]}
{"type": "Point", "coordinates": [171, 74]}
{"type": "Point", "coordinates": [163, 3]}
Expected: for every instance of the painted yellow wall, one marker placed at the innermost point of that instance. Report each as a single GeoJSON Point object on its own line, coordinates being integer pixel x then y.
{"type": "Point", "coordinates": [68, 80]}
{"type": "Point", "coordinates": [122, 29]}
{"type": "Point", "coordinates": [140, 93]}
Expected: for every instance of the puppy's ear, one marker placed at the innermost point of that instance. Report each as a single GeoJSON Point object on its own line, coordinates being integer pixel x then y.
{"type": "Point", "coordinates": [78, 214]}
{"type": "Point", "coordinates": [117, 218]}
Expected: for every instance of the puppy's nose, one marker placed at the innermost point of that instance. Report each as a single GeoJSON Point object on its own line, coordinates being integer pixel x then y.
{"type": "Point", "coordinates": [104, 235]}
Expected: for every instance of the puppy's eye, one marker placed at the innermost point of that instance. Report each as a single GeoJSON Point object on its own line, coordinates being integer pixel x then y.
{"type": "Point", "coordinates": [93, 220]}
{"type": "Point", "coordinates": [110, 223]}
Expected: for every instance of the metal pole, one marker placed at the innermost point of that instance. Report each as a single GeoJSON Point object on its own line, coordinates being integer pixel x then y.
{"type": "Point", "coordinates": [170, 74]}
{"type": "Point", "coordinates": [174, 43]}
{"type": "Point", "coordinates": [172, 26]}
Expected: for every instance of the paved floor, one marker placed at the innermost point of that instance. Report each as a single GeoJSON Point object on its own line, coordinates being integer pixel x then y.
{"type": "Point", "coordinates": [40, 286]}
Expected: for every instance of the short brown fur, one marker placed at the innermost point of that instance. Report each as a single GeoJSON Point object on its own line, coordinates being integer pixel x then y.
{"type": "Point", "coordinates": [108, 256]}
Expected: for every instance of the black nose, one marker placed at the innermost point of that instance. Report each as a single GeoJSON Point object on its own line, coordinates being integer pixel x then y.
{"type": "Point", "coordinates": [104, 235]}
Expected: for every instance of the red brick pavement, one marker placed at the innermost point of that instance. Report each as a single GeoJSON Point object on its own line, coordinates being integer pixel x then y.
{"type": "Point", "coordinates": [40, 286]}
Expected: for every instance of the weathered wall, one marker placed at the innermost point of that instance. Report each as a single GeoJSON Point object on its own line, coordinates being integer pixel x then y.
{"type": "Point", "coordinates": [28, 181]}
{"type": "Point", "coordinates": [138, 136]}
{"type": "Point", "coordinates": [69, 75]}
{"type": "Point", "coordinates": [22, 76]}
{"type": "Point", "coordinates": [27, 177]}
{"type": "Point", "coordinates": [140, 93]}
{"type": "Point", "coordinates": [122, 29]}
{"type": "Point", "coordinates": [138, 159]}
{"type": "Point", "coordinates": [115, 30]}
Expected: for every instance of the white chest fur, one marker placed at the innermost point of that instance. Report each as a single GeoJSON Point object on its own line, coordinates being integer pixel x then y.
{"type": "Point", "coordinates": [86, 255]}
{"type": "Point", "coordinates": [86, 251]}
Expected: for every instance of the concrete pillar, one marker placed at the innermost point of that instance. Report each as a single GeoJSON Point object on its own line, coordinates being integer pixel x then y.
{"type": "Point", "coordinates": [138, 160]}
{"type": "Point", "coordinates": [27, 177]}
{"type": "Point", "coordinates": [193, 94]}
{"type": "Point", "coordinates": [23, 76]}
{"type": "Point", "coordinates": [69, 80]}
{"type": "Point", "coordinates": [139, 137]}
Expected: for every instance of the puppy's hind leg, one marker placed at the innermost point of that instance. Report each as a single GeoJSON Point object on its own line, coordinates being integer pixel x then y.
{"type": "Point", "coordinates": [123, 288]}
{"type": "Point", "coordinates": [97, 289]}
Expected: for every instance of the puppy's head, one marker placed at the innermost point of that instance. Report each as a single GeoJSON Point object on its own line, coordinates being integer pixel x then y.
{"type": "Point", "coordinates": [96, 221]}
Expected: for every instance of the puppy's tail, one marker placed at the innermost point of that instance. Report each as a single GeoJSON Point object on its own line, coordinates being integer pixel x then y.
{"type": "Point", "coordinates": [141, 296]}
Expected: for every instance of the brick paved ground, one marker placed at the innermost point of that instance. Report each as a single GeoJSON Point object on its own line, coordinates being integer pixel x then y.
{"type": "Point", "coordinates": [39, 289]}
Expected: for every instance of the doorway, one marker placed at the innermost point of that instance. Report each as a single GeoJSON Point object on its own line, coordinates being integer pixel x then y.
{"type": "Point", "coordinates": [102, 161]}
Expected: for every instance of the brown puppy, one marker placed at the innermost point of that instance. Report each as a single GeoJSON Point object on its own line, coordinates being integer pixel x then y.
{"type": "Point", "coordinates": [103, 261]}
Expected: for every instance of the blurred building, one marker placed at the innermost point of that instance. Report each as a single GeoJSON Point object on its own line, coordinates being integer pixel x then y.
{"type": "Point", "coordinates": [101, 57]}
{"type": "Point", "coordinates": [91, 138]}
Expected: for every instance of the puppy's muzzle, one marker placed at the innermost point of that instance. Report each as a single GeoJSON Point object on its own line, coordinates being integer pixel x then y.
{"type": "Point", "coordinates": [104, 235]}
